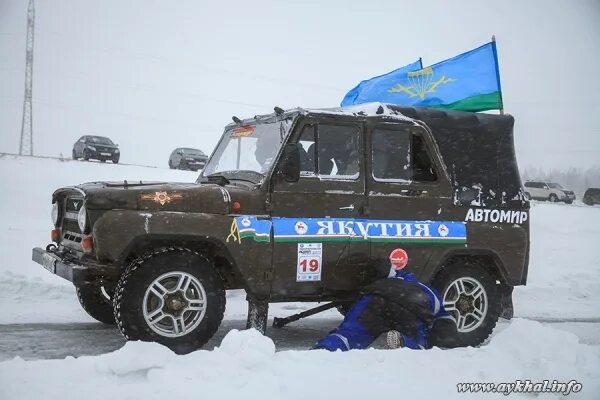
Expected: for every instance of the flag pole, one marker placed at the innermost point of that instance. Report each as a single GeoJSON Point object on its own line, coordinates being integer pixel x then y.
{"type": "Point", "coordinates": [497, 73]}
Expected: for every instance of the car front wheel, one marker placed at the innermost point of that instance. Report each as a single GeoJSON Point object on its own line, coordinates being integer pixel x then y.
{"type": "Point", "coordinates": [86, 155]}
{"type": "Point", "coordinates": [96, 301]}
{"type": "Point", "coordinates": [171, 296]}
{"type": "Point", "coordinates": [471, 298]}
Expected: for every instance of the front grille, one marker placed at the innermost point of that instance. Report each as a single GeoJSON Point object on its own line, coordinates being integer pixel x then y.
{"type": "Point", "coordinates": [70, 225]}
{"type": "Point", "coordinates": [71, 234]}
{"type": "Point", "coordinates": [73, 205]}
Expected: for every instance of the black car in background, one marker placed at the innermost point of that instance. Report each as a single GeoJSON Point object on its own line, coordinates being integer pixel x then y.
{"type": "Point", "coordinates": [96, 147]}
{"type": "Point", "coordinates": [592, 196]}
{"type": "Point", "coordinates": [187, 158]}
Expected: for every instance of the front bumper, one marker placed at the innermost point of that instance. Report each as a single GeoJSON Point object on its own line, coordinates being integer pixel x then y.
{"type": "Point", "coordinates": [567, 197]}
{"type": "Point", "coordinates": [71, 269]}
{"type": "Point", "coordinates": [195, 164]}
{"type": "Point", "coordinates": [99, 155]}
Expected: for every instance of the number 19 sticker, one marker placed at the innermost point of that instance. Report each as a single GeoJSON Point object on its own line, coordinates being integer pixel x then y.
{"type": "Point", "coordinates": [309, 262]}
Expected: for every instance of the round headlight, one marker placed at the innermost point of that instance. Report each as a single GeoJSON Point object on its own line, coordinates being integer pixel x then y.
{"type": "Point", "coordinates": [82, 219]}
{"type": "Point", "coordinates": [54, 213]}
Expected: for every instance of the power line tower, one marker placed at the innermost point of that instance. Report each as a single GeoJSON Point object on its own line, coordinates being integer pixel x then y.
{"type": "Point", "coordinates": [26, 145]}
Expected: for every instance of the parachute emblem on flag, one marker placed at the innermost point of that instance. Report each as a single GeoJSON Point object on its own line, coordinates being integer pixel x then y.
{"type": "Point", "coordinates": [421, 83]}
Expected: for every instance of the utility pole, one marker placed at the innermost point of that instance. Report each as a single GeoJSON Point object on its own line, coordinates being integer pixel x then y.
{"type": "Point", "coordinates": [26, 145]}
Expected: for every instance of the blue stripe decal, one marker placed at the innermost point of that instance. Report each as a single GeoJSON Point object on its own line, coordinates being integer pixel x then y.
{"type": "Point", "coordinates": [343, 229]}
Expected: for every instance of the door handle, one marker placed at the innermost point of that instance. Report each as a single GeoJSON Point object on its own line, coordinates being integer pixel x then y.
{"type": "Point", "coordinates": [347, 208]}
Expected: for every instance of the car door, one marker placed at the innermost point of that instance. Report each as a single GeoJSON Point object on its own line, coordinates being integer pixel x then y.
{"type": "Point", "coordinates": [79, 146]}
{"type": "Point", "coordinates": [314, 251]}
{"type": "Point", "coordinates": [407, 192]}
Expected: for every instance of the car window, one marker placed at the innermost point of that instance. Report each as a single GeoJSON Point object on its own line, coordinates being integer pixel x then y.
{"type": "Point", "coordinates": [99, 140]}
{"type": "Point", "coordinates": [330, 151]}
{"type": "Point", "coordinates": [401, 156]}
{"type": "Point", "coordinates": [308, 151]}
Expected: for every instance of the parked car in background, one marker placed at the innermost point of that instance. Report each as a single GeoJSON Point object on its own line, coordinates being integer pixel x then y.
{"type": "Point", "coordinates": [550, 191]}
{"type": "Point", "coordinates": [97, 148]}
{"type": "Point", "coordinates": [591, 196]}
{"type": "Point", "coordinates": [187, 158]}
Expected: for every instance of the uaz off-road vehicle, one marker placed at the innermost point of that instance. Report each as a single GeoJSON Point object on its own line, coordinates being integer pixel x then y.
{"type": "Point", "coordinates": [297, 206]}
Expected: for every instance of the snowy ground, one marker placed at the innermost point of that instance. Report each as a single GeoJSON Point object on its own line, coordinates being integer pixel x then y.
{"type": "Point", "coordinates": [556, 337]}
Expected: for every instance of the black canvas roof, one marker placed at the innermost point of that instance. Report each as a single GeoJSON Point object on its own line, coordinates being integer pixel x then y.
{"type": "Point", "coordinates": [477, 148]}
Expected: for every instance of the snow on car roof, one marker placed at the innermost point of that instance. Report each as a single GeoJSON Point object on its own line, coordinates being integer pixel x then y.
{"type": "Point", "coordinates": [367, 110]}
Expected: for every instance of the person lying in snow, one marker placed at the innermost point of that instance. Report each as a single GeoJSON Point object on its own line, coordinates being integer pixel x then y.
{"type": "Point", "coordinates": [409, 310]}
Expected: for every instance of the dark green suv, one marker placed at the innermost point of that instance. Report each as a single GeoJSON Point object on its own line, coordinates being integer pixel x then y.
{"type": "Point", "coordinates": [298, 206]}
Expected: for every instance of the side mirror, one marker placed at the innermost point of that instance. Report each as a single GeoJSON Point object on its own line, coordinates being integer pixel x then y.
{"type": "Point", "coordinates": [289, 165]}
{"type": "Point", "coordinates": [467, 195]}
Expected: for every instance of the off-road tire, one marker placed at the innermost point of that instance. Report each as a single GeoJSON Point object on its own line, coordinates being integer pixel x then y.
{"type": "Point", "coordinates": [129, 297]}
{"type": "Point", "coordinates": [95, 303]}
{"type": "Point", "coordinates": [553, 198]}
{"type": "Point", "coordinates": [86, 155]}
{"type": "Point", "coordinates": [115, 160]}
{"type": "Point", "coordinates": [465, 269]}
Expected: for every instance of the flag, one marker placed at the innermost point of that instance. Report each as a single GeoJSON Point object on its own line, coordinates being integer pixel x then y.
{"type": "Point", "coordinates": [467, 82]}
{"type": "Point", "coordinates": [375, 89]}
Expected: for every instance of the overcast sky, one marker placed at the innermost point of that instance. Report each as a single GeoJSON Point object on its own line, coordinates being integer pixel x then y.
{"type": "Point", "coordinates": [154, 75]}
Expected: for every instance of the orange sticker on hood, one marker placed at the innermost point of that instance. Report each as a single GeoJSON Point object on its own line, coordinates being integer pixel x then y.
{"type": "Point", "coordinates": [161, 198]}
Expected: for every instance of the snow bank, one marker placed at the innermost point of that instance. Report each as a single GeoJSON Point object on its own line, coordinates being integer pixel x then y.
{"type": "Point", "coordinates": [564, 263]}
{"type": "Point", "coordinates": [247, 366]}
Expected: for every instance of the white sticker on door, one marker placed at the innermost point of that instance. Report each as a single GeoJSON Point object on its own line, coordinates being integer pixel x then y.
{"type": "Point", "coordinates": [309, 262]}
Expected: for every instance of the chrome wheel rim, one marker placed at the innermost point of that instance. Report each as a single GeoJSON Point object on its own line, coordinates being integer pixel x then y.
{"type": "Point", "coordinates": [174, 304]}
{"type": "Point", "coordinates": [465, 299]}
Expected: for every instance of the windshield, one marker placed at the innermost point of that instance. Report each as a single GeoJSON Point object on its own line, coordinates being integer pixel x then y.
{"type": "Point", "coordinates": [555, 186]}
{"type": "Point", "coordinates": [100, 140]}
{"type": "Point", "coordinates": [250, 148]}
{"type": "Point", "coordinates": [193, 152]}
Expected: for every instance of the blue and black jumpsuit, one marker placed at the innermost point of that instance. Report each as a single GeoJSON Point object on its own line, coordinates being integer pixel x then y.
{"type": "Point", "coordinates": [400, 303]}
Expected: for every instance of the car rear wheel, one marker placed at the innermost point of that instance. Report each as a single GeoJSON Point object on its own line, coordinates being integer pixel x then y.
{"type": "Point", "coordinates": [96, 301]}
{"type": "Point", "coordinates": [470, 296]}
{"type": "Point", "coordinates": [171, 296]}
{"type": "Point", "coordinates": [553, 198]}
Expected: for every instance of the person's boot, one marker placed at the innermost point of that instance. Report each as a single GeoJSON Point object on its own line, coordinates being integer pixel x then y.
{"type": "Point", "coordinates": [394, 339]}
